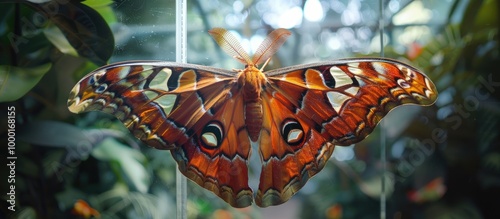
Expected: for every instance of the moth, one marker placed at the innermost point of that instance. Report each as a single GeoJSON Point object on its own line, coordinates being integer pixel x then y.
{"type": "Point", "coordinates": [209, 117]}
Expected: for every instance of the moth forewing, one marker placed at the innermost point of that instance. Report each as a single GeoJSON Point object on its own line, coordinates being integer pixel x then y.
{"type": "Point", "coordinates": [209, 117]}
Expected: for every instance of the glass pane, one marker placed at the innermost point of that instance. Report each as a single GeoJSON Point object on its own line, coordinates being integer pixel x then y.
{"type": "Point", "coordinates": [441, 160]}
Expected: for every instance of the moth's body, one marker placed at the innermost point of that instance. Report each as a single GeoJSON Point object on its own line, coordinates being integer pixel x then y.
{"type": "Point", "coordinates": [209, 117]}
{"type": "Point", "coordinates": [251, 80]}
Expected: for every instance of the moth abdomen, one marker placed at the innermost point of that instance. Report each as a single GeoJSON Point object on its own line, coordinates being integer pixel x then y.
{"type": "Point", "coordinates": [253, 118]}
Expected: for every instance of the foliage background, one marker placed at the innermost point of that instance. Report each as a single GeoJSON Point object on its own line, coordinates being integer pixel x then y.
{"type": "Point", "coordinates": [443, 161]}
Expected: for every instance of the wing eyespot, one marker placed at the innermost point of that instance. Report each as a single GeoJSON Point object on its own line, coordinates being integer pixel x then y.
{"type": "Point", "coordinates": [212, 135]}
{"type": "Point", "coordinates": [92, 80]}
{"type": "Point", "coordinates": [95, 77]}
{"type": "Point", "coordinates": [292, 132]}
{"type": "Point", "coordinates": [101, 88]}
{"type": "Point", "coordinates": [403, 84]}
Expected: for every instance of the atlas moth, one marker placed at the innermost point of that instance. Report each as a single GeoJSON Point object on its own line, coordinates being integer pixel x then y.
{"type": "Point", "coordinates": [209, 117]}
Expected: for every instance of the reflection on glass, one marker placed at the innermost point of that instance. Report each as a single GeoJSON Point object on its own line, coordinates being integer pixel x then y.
{"type": "Point", "coordinates": [440, 164]}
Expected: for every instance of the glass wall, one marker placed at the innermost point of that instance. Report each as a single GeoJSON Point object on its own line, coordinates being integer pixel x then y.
{"type": "Point", "coordinates": [439, 161]}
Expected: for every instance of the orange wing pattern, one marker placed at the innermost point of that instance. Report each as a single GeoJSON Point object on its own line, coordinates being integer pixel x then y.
{"type": "Point", "coordinates": [309, 109]}
{"type": "Point", "coordinates": [209, 117]}
{"type": "Point", "coordinates": [188, 109]}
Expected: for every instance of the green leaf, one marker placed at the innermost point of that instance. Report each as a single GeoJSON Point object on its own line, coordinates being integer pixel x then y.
{"type": "Point", "coordinates": [128, 159]}
{"type": "Point", "coordinates": [469, 17]}
{"type": "Point", "coordinates": [15, 82]}
{"type": "Point", "coordinates": [98, 3]}
{"type": "Point", "coordinates": [83, 27]}
{"type": "Point", "coordinates": [57, 38]}
{"type": "Point", "coordinates": [25, 212]}
{"type": "Point", "coordinates": [104, 8]}
{"type": "Point", "coordinates": [55, 134]}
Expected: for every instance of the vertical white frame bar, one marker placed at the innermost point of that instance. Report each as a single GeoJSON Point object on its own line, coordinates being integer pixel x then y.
{"type": "Point", "coordinates": [181, 57]}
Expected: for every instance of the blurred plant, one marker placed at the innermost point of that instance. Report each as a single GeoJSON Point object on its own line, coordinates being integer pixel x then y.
{"type": "Point", "coordinates": [463, 60]}
{"type": "Point", "coordinates": [36, 37]}
{"type": "Point", "coordinates": [45, 46]}
{"type": "Point", "coordinates": [456, 167]}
